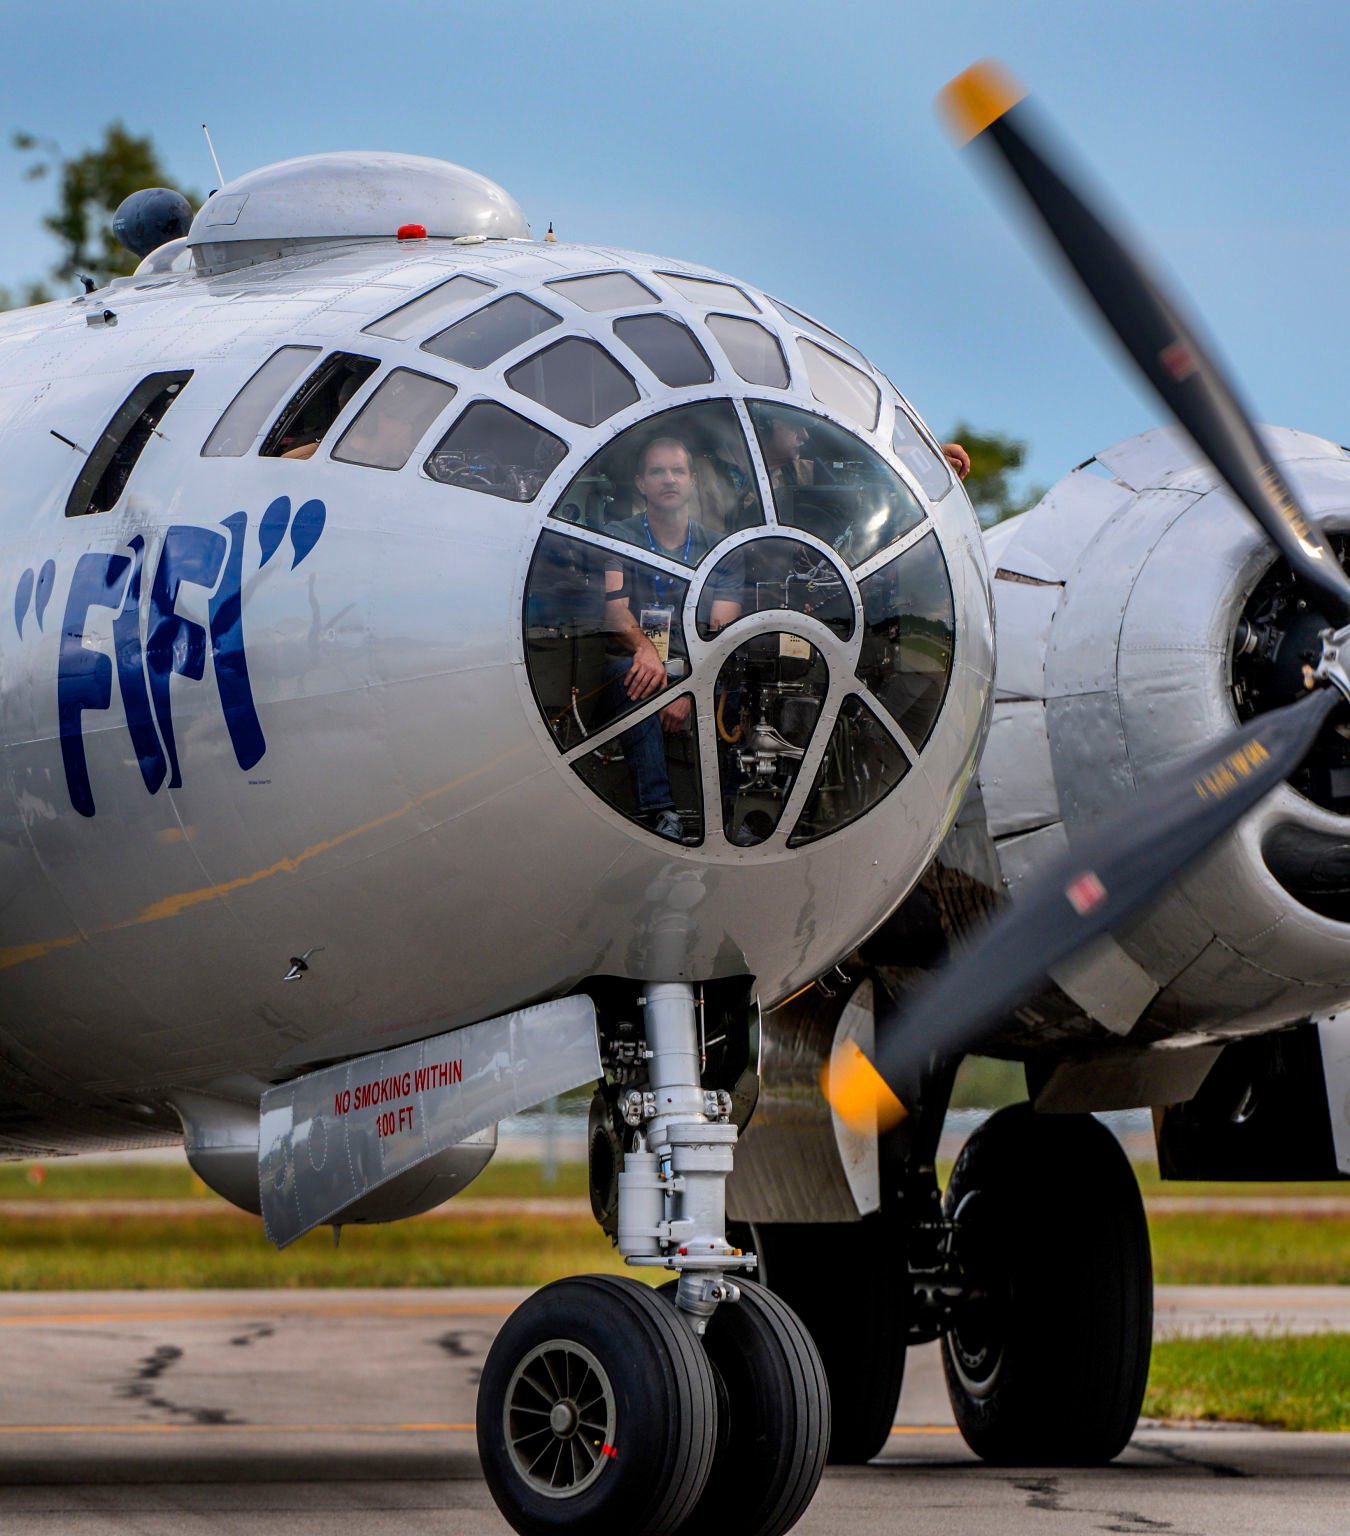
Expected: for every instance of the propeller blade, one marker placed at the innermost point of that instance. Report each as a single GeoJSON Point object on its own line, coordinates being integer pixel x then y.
{"type": "Point", "coordinates": [1104, 879]}
{"type": "Point", "coordinates": [985, 105]}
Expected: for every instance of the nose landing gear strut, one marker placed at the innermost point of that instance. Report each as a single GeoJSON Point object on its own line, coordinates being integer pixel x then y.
{"type": "Point", "coordinates": [606, 1406]}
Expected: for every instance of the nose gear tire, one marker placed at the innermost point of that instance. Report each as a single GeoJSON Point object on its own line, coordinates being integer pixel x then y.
{"type": "Point", "coordinates": [581, 1359]}
{"type": "Point", "coordinates": [774, 1417]}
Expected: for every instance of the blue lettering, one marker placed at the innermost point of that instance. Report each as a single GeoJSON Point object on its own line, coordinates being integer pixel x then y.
{"type": "Point", "coordinates": [174, 643]}
{"type": "Point", "coordinates": [227, 652]}
{"type": "Point", "coordinates": [131, 677]}
{"type": "Point", "coordinates": [84, 677]}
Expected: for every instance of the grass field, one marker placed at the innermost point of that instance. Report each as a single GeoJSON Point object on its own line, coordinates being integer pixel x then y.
{"type": "Point", "coordinates": [1296, 1382]}
{"type": "Point", "coordinates": [1224, 1249]}
{"type": "Point", "coordinates": [473, 1246]}
{"type": "Point", "coordinates": [75, 1178]}
{"type": "Point", "coordinates": [228, 1249]}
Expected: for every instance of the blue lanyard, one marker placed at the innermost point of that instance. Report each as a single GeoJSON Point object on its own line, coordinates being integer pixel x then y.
{"type": "Point", "coordinates": [657, 581]}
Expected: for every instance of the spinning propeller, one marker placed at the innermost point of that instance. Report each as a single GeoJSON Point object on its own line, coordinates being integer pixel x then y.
{"type": "Point", "coordinates": [1114, 871]}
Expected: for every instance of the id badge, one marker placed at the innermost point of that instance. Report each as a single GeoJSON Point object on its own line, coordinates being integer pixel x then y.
{"type": "Point", "coordinates": [655, 624]}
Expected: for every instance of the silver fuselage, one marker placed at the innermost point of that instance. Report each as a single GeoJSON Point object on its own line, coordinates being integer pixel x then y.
{"type": "Point", "coordinates": [409, 818]}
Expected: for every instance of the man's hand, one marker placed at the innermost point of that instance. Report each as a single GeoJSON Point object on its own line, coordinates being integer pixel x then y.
{"type": "Point", "coordinates": [958, 458]}
{"type": "Point", "coordinates": [675, 716]}
{"type": "Point", "coordinates": [647, 675]}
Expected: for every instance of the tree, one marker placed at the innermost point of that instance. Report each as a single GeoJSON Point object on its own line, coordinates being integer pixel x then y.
{"type": "Point", "coordinates": [993, 460]}
{"type": "Point", "coordinates": [89, 187]}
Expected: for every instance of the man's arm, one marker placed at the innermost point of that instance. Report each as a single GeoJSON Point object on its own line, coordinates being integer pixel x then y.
{"type": "Point", "coordinates": [647, 675]}
{"type": "Point", "coordinates": [724, 610]}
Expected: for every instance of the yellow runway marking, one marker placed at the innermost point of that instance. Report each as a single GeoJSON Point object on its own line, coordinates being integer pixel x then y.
{"type": "Point", "coordinates": [924, 1429]}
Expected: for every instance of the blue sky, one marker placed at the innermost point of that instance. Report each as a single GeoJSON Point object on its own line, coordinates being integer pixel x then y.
{"type": "Point", "coordinates": [795, 144]}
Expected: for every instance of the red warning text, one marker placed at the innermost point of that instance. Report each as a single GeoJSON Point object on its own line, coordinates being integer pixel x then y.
{"type": "Point", "coordinates": [390, 1122]}
{"type": "Point", "coordinates": [402, 1085]}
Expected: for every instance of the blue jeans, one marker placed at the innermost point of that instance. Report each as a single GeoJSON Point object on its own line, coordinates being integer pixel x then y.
{"type": "Point", "coordinates": [644, 748]}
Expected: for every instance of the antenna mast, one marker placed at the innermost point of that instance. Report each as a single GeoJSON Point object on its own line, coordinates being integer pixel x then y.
{"type": "Point", "coordinates": [220, 175]}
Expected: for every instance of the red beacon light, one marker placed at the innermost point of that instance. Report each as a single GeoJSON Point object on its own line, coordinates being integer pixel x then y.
{"type": "Point", "coordinates": [412, 232]}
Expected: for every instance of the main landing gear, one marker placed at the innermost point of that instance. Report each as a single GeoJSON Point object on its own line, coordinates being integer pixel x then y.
{"type": "Point", "coordinates": [1047, 1353]}
{"type": "Point", "coordinates": [606, 1406]}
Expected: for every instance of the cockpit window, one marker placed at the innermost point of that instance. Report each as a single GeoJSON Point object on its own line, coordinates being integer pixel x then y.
{"type": "Point", "coordinates": [242, 424]}
{"type": "Point", "coordinates": [575, 378]}
{"type": "Point", "coordinates": [394, 419]}
{"type": "Point", "coordinates": [604, 290]}
{"type": "Point", "coordinates": [491, 449]}
{"type": "Point", "coordinates": [840, 387]}
{"type": "Point", "coordinates": [820, 332]}
{"type": "Point", "coordinates": [668, 348]}
{"type": "Point", "coordinates": [316, 405]}
{"type": "Point", "coordinates": [588, 614]}
{"type": "Point", "coordinates": [906, 657]}
{"type": "Point", "coordinates": [777, 573]}
{"type": "Point", "coordinates": [491, 332]}
{"type": "Point", "coordinates": [861, 766]}
{"type": "Point", "coordinates": [650, 773]}
{"type": "Point", "coordinates": [704, 290]}
{"type": "Point", "coordinates": [675, 485]}
{"type": "Point", "coordinates": [769, 696]}
{"type": "Point", "coordinates": [918, 456]}
{"type": "Point", "coordinates": [752, 350]}
{"type": "Point", "coordinates": [108, 468]}
{"type": "Point", "coordinates": [831, 484]}
{"type": "Point", "coordinates": [429, 311]}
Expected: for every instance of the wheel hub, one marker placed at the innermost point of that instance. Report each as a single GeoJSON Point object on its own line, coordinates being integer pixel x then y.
{"type": "Point", "coordinates": [559, 1418]}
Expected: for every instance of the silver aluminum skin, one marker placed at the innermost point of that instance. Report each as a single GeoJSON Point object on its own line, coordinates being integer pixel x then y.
{"type": "Point", "coordinates": [411, 823]}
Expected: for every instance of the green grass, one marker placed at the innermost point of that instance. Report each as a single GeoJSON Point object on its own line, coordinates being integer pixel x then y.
{"type": "Point", "coordinates": [1291, 1382]}
{"type": "Point", "coordinates": [1250, 1250]}
{"type": "Point", "coordinates": [73, 1178]}
{"type": "Point", "coordinates": [1151, 1184]}
{"type": "Point", "coordinates": [225, 1249]}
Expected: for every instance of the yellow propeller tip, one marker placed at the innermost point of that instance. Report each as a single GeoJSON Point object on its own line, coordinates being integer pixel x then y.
{"type": "Point", "coordinates": [978, 97]}
{"type": "Point", "coordinates": [858, 1093]}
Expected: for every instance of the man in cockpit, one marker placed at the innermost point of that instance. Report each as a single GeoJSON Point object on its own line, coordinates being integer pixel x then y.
{"type": "Point", "coordinates": [783, 454]}
{"type": "Point", "coordinates": [787, 467]}
{"type": "Point", "coordinates": [644, 621]}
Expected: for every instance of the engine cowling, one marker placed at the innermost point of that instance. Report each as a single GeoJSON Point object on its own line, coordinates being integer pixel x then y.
{"type": "Point", "coordinates": [1141, 613]}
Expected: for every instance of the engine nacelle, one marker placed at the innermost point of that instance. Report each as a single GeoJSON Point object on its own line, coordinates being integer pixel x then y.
{"type": "Point", "coordinates": [1142, 613]}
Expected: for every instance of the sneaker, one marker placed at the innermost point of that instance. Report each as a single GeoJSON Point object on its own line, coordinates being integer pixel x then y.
{"type": "Point", "coordinates": [668, 824]}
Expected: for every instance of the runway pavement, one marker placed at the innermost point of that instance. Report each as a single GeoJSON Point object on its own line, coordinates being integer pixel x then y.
{"type": "Point", "coordinates": [352, 1411]}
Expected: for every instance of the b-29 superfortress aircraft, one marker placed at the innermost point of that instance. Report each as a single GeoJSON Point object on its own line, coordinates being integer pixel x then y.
{"type": "Point", "coordinates": [443, 668]}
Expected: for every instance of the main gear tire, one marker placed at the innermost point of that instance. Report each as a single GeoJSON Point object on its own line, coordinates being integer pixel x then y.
{"type": "Point", "coordinates": [596, 1412]}
{"type": "Point", "coordinates": [1047, 1359]}
{"type": "Point", "coordinates": [862, 1334]}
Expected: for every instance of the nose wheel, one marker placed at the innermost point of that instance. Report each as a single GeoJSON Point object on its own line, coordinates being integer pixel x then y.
{"type": "Point", "coordinates": [773, 1417]}
{"type": "Point", "coordinates": [596, 1411]}
{"type": "Point", "coordinates": [602, 1411]}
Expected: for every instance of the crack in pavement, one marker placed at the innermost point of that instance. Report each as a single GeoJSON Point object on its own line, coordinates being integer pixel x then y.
{"type": "Point", "coordinates": [141, 1389]}
{"type": "Point", "coordinates": [454, 1346]}
{"type": "Point", "coordinates": [252, 1334]}
{"type": "Point", "coordinates": [1214, 1468]}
